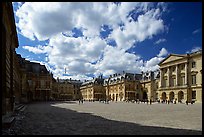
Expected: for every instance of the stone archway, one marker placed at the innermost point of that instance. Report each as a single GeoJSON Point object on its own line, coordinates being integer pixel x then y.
{"type": "Point", "coordinates": [144, 97]}
{"type": "Point", "coordinates": [171, 96]}
{"type": "Point", "coordinates": [137, 96]}
{"type": "Point", "coordinates": [121, 96]}
{"type": "Point", "coordinates": [116, 98]}
{"type": "Point", "coordinates": [113, 97]}
{"type": "Point", "coordinates": [157, 96]}
{"type": "Point", "coordinates": [180, 96]}
{"type": "Point", "coordinates": [163, 97]}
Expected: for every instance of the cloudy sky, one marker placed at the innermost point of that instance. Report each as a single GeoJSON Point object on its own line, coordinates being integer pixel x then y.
{"type": "Point", "coordinates": [84, 40]}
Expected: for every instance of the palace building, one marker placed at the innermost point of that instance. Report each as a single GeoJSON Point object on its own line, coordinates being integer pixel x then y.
{"type": "Point", "coordinates": [181, 77]}
{"type": "Point", "coordinates": [121, 87]}
{"type": "Point", "coordinates": [149, 85]}
{"type": "Point", "coordinates": [10, 69]}
{"type": "Point", "coordinates": [68, 89]}
{"type": "Point", "coordinates": [93, 89]}
{"type": "Point", "coordinates": [36, 81]}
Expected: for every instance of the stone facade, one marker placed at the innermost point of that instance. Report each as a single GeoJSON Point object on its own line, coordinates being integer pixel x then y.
{"type": "Point", "coordinates": [93, 89]}
{"type": "Point", "coordinates": [149, 85]}
{"type": "Point", "coordinates": [65, 89]}
{"type": "Point", "coordinates": [120, 87]}
{"type": "Point", "coordinates": [54, 92]}
{"type": "Point", "coordinates": [10, 77]}
{"type": "Point", "coordinates": [181, 77]}
{"type": "Point", "coordinates": [36, 81]}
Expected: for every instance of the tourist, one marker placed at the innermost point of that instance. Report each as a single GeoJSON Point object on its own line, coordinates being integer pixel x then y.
{"type": "Point", "coordinates": [186, 102]}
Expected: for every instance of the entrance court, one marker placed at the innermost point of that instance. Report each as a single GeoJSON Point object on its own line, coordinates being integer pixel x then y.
{"type": "Point", "coordinates": [68, 117]}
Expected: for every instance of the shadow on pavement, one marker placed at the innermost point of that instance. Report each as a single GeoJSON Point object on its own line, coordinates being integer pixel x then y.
{"type": "Point", "coordinates": [44, 119]}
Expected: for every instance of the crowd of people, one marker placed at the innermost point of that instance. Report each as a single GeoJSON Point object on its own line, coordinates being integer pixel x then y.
{"type": "Point", "coordinates": [137, 101]}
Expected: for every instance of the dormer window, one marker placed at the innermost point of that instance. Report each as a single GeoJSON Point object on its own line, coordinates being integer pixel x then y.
{"type": "Point", "coordinates": [182, 66]}
{"type": "Point", "coordinates": [173, 69]}
{"type": "Point", "coordinates": [193, 64]}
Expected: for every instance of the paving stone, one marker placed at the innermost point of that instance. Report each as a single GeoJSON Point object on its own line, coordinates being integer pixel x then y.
{"type": "Point", "coordinates": [121, 118]}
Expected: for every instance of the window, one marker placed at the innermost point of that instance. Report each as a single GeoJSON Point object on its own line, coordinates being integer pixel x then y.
{"type": "Point", "coordinates": [47, 84]}
{"type": "Point", "coordinates": [193, 79]}
{"type": "Point", "coordinates": [173, 69]}
{"type": "Point", "coordinates": [182, 66]}
{"type": "Point", "coordinates": [165, 82]}
{"type": "Point", "coordinates": [165, 70]}
{"type": "Point", "coordinates": [182, 80]}
{"type": "Point", "coordinates": [193, 94]}
{"type": "Point", "coordinates": [42, 83]}
{"type": "Point", "coordinates": [173, 82]}
{"type": "Point", "coordinates": [193, 64]}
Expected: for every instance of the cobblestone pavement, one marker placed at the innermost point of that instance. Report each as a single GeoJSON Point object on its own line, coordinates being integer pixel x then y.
{"type": "Point", "coordinates": [121, 118]}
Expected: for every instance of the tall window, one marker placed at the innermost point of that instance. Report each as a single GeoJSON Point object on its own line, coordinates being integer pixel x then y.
{"type": "Point", "coordinates": [173, 68]}
{"type": "Point", "coordinates": [182, 66]}
{"type": "Point", "coordinates": [173, 82]}
{"type": "Point", "coordinates": [38, 84]}
{"type": "Point", "coordinates": [42, 83]}
{"type": "Point", "coordinates": [47, 84]}
{"type": "Point", "coordinates": [165, 82]}
{"type": "Point", "coordinates": [193, 64]}
{"type": "Point", "coordinates": [193, 94]}
{"type": "Point", "coordinates": [182, 80]}
{"type": "Point", "coordinates": [193, 79]}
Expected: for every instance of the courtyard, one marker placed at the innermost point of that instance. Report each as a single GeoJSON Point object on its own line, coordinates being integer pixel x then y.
{"type": "Point", "coordinates": [115, 118]}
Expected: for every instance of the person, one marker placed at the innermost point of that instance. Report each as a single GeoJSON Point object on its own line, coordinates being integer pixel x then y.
{"type": "Point", "coordinates": [138, 101]}
{"type": "Point", "coordinates": [82, 101]}
{"type": "Point", "coordinates": [186, 102]}
{"type": "Point", "coordinates": [191, 102]}
{"type": "Point", "coordinates": [150, 101]}
{"type": "Point", "coordinates": [175, 101]}
{"type": "Point", "coordinates": [79, 101]}
{"type": "Point", "coordinates": [168, 101]}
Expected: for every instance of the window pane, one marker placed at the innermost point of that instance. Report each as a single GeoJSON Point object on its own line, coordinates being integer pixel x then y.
{"type": "Point", "coordinates": [193, 79]}
{"type": "Point", "coordinates": [193, 94]}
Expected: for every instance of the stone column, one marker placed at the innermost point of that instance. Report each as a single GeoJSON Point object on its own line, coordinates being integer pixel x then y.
{"type": "Point", "coordinates": [186, 74]}
{"type": "Point", "coordinates": [168, 77]}
{"type": "Point", "coordinates": [161, 78]}
{"type": "Point", "coordinates": [177, 75]}
{"type": "Point", "coordinates": [176, 97]}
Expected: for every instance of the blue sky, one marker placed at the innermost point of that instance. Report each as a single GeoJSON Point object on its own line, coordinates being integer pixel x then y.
{"type": "Point", "coordinates": [89, 39]}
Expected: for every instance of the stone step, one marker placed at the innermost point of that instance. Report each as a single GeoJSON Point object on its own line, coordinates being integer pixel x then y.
{"type": "Point", "coordinates": [8, 121]}
{"type": "Point", "coordinates": [19, 107]}
{"type": "Point", "coordinates": [23, 108]}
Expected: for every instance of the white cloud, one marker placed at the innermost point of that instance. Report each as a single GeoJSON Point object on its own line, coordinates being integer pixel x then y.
{"type": "Point", "coordinates": [117, 60]}
{"type": "Point", "coordinates": [160, 41]}
{"type": "Point", "coordinates": [196, 31]}
{"type": "Point", "coordinates": [194, 49]}
{"type": "Point", "coordinates": [152, 64]}
{"type": "Point", "coordinates": [163, 52]}
{"type": "Point", "coordinates": [145, 27]}
{"type": "Point", "coordinates": [37, 50]}
{"type": "Point", "coordinates": [90, 54]}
